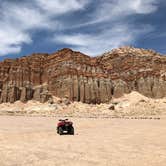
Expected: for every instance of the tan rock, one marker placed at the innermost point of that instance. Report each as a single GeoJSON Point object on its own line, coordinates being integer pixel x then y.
{"type": "Point", "coordinates": [82, 78]}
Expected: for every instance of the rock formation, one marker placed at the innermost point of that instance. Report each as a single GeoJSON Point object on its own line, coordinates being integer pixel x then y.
{"type": "Point", "coordinates": [79, 77]}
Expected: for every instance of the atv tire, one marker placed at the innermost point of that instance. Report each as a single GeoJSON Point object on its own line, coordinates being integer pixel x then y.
{"type": "Point", "coordinates": [72, 131]}
{"type": "Point", "coordinates": [60, 130]}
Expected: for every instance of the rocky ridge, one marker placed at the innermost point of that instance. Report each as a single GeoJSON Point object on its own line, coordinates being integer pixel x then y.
{"type": "Point", "coordinates": [79, 77]}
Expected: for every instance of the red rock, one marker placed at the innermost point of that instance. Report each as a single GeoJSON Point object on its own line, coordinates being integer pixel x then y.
{"type": "Point", "coordinates": [81, 78]}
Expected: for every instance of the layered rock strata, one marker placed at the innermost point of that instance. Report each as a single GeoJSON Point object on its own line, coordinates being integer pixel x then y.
{"type": "Point", "coordinates": [79, 77]}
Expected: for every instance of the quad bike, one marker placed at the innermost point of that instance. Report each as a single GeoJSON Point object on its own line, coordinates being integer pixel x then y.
{"type": "Point", "coordinates": [65, 127]}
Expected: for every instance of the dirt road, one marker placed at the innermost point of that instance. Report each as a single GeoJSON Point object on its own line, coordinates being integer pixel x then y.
{"type": "Point", "coordinates": [32, 141]}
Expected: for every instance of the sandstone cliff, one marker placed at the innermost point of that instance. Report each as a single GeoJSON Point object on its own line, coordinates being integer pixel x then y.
{"type": "Point", "coordinates": [81, 78]}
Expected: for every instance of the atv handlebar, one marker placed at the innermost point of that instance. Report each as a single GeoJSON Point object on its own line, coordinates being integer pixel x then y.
{"type": "Point", "coordinates": [63, 119]}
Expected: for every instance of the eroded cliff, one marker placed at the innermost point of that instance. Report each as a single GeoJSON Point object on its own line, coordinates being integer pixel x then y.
{"type": "Point", "coordinates": [82, 78]}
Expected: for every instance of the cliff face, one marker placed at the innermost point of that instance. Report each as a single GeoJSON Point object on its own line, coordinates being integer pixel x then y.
{"type": "Point", "coordinates": [81, 78]}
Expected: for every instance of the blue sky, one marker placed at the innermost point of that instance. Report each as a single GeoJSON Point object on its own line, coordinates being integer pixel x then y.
{"type": "Point", "coordinates": [89, 26]}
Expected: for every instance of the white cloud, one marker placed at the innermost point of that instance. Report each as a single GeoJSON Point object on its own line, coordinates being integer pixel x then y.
{"type": "Point", "coordinates": [26, 18]}
{"type": "Point", "coordinates": [95, 44]}
{"type": "Point", "coordinates": [8, 49]}
{"type": "Point", "coordinates": [11, 39]}
{"type": "Point", "coordinates": [115, 10]}
{"type": "Point", "coordinates": [15, 24]}
{"type": "Point", "coordinates": [14, 36]}
{"type": "Point", "coordinates": [60, 7]}
{"type": "Point", "coordinates": [115, 13]}
{"type": "Point", "coordinates": [18, 19]}
{"type": "Point", "coordinates": [75, 39]}
{"type": "Point", "coordinates": [143, 7]}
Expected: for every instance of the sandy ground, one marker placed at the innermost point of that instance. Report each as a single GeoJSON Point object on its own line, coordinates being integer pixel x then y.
{"type": "Point", "coordinates": [32, 141]}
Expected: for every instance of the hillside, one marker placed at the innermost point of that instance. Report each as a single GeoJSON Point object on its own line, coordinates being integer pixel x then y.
{"type": "Point", "coordinates": [79, 77]}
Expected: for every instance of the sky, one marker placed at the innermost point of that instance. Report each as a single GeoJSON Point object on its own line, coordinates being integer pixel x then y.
{"type": "Point", "coordinates": [89, 26]}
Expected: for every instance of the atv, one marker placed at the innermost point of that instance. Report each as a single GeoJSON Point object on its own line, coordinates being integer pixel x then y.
{"type": "Point", "coordinates": [65, 127]}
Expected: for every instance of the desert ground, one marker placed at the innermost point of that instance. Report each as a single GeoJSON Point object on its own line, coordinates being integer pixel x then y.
{"type": "Point", "coordinates": [32, 141]}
